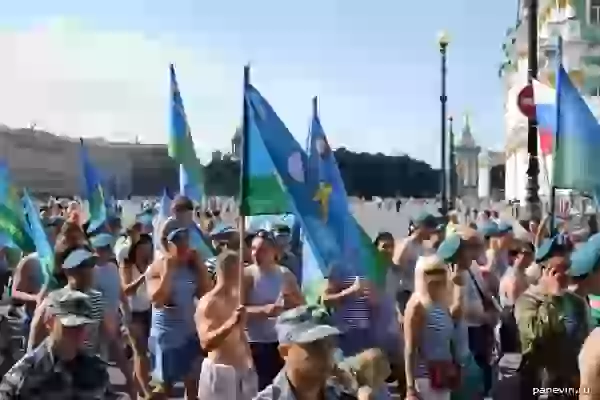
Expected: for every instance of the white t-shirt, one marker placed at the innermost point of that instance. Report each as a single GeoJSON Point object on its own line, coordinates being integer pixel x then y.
{"type": "Point", "coordinates": [122, 249]}
{"type": "Point", "coordinates": [139, 301]}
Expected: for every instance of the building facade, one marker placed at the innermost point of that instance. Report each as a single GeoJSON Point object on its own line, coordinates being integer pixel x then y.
{"type": "Point", "coordinates": [474, 167]}
{"type": "Point", "coordinates": [48, 164]}
{"type": "Point", "coordinates": [489, 186]}
{"type": "Point", "coordinates": [578, 22]}
{"type": "Point", "coordinates": [466, 156]}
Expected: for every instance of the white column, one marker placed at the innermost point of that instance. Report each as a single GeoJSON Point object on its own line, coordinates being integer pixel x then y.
{"type": "Point", "coordinates": [483, 189]}
{"type": "Point", "coordinates": [522, 174]}
{"type": "Point", "coordinates": [508, 192]}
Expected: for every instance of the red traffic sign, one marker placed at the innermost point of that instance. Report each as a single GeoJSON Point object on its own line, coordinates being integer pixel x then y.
{"type": "Point", "coordinates": [526, 102]}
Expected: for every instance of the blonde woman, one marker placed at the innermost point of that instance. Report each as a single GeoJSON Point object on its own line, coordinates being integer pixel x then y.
{"type": "Point", "coordinates": [431, 372]}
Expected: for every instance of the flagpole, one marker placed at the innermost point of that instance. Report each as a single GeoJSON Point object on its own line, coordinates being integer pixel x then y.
{"type": "Point", "coordinates": [556, 135]}
{"type": "Point", "coordinates": [243, 181]}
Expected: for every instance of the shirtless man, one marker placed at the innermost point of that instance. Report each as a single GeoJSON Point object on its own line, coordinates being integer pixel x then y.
{"type": "Point", "coordinates": [227, 371]}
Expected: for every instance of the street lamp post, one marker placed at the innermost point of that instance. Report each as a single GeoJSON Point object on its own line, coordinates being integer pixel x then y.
{"type": "Point", "coordinates": [452, 165]}
{"type": "Point", "coordinates": [533, 168]}
{"type": "Point", "coordinates": [443, 42]}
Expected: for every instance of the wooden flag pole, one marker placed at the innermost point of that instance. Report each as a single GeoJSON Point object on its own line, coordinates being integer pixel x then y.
{"type": "Point", "coordinates": [243, 181]}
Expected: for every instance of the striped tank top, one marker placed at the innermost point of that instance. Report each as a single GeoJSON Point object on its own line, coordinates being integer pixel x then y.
{"type": "Point", "coordinates": [108, 282]}
{"type": "Point", "coordinates": [266, 289]}
{"type": "Point", "coordinates": [435, 338]}
{"type": "Point", "coordinates": [353, 312]}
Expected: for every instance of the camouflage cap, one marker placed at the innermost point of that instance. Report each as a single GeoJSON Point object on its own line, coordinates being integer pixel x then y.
{"type": "Point", "coordinates": [72, 308]}
{"type": "Point", "coordinates": [304, 324]}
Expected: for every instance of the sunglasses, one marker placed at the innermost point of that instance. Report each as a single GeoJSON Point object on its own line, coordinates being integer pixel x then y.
{"type": "Point", "coordinates": [516, 252]}
{"type": "Point", "coordinates": [264, 234]}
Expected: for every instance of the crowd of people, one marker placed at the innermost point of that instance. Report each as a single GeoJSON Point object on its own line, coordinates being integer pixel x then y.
{"type": "Point", "coordinates": [468, 311]}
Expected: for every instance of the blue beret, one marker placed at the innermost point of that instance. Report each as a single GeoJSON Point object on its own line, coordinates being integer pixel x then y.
{"type": "Point", "coordinates": [102, 240]}
{"type": "Point", "coordinates": [585, 259]}
{"type": "Point", "coordinates": [425, 219]}
{"type": "Point", "coordinates": [594, 238]}
{"type": "Point", "coordinates": [449, 247]}
{"type": "Point", "coordinates": [545, 249]}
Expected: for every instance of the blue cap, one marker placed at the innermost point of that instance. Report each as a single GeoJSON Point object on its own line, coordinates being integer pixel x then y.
{"type": "Point", "coordinates": [175, 232]}
{"type": "Point", "coordinates": [102, 240]}
{"type": "Point", "coordinates": [504, 228]}
{"type": "Point", "coordinates": [489, 229]}
{"type": "Point", "coordinates": [222, 229]}
{"type": "Point", "coordinates": [144, 218]}
{"type": "Point", "coordinates": [304, 324]}
{"type": "Point", "coordinates": [545, 249]}
{"type": "Point", "coordinates": [76, 258]}
{"type": "Point", "coordinates": [449, 247]}
{"type": "Point", "coordinates": [585, 259]}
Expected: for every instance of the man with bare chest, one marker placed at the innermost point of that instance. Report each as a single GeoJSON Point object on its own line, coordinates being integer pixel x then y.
{"type": "Point", "coordinates": [227, 372]}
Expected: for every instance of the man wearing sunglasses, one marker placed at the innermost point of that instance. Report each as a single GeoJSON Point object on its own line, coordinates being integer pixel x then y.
{"type": "Point", "coordinates": [515, 281]}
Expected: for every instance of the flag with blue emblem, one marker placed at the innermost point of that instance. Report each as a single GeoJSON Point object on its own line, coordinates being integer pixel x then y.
{"type": "Point", "coordinates": [42, 244]}
{"type": "Point", "coordinates": [308, 198]}
{"type": "Point", "coordinates": [93, 191]}
{"type": "Point", "coordinates": [336, 213]}
{"type": "Point", "coordinates": [565, 114]}
{"type": "Point", "coordinates": [181, 146]}
{"type": "Point", "coordinates": [12, 219]}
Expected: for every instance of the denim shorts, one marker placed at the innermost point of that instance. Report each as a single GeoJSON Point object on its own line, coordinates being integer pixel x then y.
{"type": "Point", "coordinates": [174, 364]}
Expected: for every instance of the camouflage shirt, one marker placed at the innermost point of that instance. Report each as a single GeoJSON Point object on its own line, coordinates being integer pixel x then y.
{"type": "Point", "coordinates": [281, 389]}
{"type": "Point", "coordinates": [551, 335]}
{"type": "Point", "coordinates": [39, 376]}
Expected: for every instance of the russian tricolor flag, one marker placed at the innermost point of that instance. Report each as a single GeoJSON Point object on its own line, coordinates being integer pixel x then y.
{"type": "Point", "coordinates": [545, 107]}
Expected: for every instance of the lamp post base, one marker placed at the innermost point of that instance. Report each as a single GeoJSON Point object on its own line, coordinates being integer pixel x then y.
{"type": "Point", "coordinates": [533, 209]}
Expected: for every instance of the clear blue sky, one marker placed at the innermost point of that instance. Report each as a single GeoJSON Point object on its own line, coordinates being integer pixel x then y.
{"type": "Point", "coordinates": [374, 64]}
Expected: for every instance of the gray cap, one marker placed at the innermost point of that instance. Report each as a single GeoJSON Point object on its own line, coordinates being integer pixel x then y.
{"type": "Point", "coordinates": [304, 324]}
{"type": "Point", "coordinates": [72, 308]}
